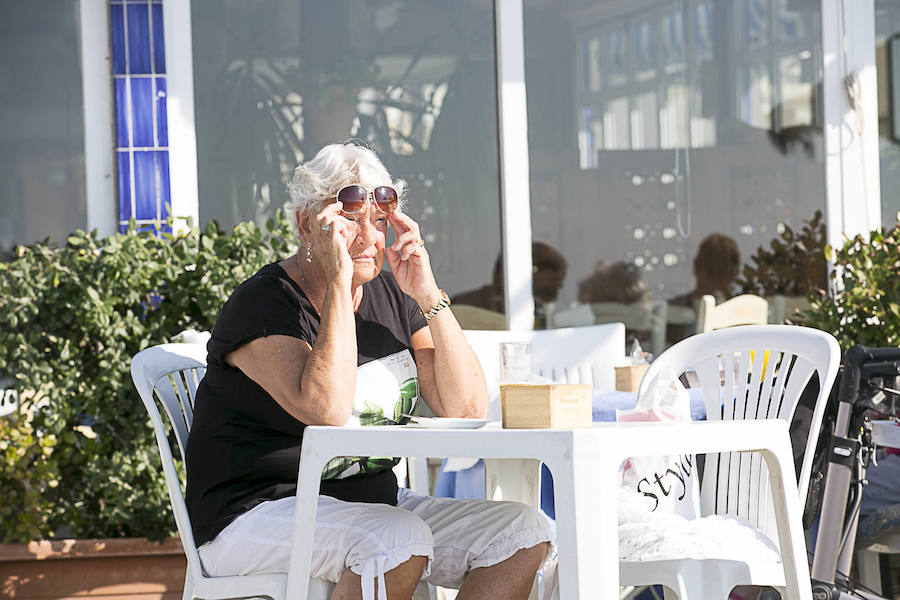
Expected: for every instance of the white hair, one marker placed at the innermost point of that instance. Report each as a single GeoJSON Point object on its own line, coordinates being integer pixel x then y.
{"type": "Point", "coordinates": [317, 181]}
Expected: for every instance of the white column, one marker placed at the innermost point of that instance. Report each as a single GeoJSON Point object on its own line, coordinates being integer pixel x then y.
{"type": "Point", "coordinates": [180, 110]}
{"type": "Point", "coordinates": [100, 182]}
{"type": "Point", "coordinates": [515, 212]}
{"type": "Point", "coordinates": [850, 101]}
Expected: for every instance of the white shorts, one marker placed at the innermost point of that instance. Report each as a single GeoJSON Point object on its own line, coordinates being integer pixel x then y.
{"type": "Point", "coordinates": [371, 539]}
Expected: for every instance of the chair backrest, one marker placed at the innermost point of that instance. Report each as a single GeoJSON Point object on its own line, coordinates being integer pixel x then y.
{"type": "Point", "coordinates": [171, 373]}
{"type": "Point", "coordinates": [746, 309]}
{"type": "Point", "coordinates": [475, 317]}
{"type": "Point", "coordinates": [578, 315]}
{"type": "Point", "coordinates": [567, 355]}
{"type": "Point", "coordinates": [787, 308]}
{"type": "Point", "coordinates": [649, 317]}
{"type": "Point", "coordinates": [751, 372]}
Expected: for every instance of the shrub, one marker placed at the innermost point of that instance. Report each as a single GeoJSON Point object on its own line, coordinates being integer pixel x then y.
{"type": "Point", "coordinates": [80, 458]}
{"type": "Point", "coordinates": [794, 266]}
{"type": "Point", "coordinates": [865, 308]}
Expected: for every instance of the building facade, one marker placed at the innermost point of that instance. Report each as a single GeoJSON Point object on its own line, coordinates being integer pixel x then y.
{"type": "Point", "coordinates": [558, 153]}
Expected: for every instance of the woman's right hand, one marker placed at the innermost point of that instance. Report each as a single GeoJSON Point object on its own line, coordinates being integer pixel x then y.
{"type": "Point", "coordinates": [330, 235]}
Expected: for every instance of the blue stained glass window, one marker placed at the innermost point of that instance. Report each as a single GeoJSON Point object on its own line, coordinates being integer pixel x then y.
{"type": "Point", "coordinates": [145, 185]}
{"type": "Point", "coordinates": [142, 108]}
{"type": "Point", "coordinates": [162, 123]}
{"type": "Point", "coordinates": [141, 119]}
{"type": "Point", "coordinates": [159, 48]}
{"type": "Point", "coordinates": [138, 39]}
{"type": "Point", "coordinates": [162, 163]}
{"type": "Point", "coordinates": [117, 25]}
{"type": "Point", "coordinates": [122, 125]}
{"type": "Point", "coordinates": [124, 165]}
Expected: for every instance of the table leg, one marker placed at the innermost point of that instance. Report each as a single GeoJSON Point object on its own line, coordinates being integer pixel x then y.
{"type": "Point", "coordinates": [509, 479]}
{"type": "Point", "coordinates": [587, 526]}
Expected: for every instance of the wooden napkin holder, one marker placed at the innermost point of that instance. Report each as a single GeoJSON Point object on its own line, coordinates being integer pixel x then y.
{"type": "Point", "coordinates": [548, 406]}
{"type": "Point", "coordinates": [628, 378]}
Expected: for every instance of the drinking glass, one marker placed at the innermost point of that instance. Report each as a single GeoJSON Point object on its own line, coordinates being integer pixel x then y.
{"type": "Point", "coordinates": [515, 362]}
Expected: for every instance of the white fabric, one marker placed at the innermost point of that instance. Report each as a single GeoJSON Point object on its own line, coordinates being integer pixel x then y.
{"type": "Point", "coordinates": [371, 539]}
{"type": "Point", "coordinates": [648, 535]}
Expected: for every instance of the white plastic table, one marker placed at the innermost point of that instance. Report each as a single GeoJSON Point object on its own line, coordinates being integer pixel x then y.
{"type": "Point", "coordinates": [584, 464]}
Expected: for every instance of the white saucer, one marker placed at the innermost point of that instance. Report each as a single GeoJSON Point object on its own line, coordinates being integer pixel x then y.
{"type": "Point", "coordinates": [446, 423]}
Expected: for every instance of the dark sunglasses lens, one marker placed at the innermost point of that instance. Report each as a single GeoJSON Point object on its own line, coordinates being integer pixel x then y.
{"type": "Point", "coordinates": [353, 197]}
{"type": "Point", "coordinates": [386, 198]}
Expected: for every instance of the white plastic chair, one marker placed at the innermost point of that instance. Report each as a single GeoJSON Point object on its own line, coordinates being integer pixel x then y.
{"type": "Point", "coordinates": [764, 369]}
{"type": "Point", "coordinates": [566, 355]}
{"type": "Point", "coordinates": [171, 373]}
{"type": "Point", "coordinates": [746, 309]}
{"type": "Point", "coordinates": [648, 316]}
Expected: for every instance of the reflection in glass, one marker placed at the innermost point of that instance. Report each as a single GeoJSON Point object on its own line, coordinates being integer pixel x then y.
{"type": "Point", "coordinates": [756, 23]}
{"type": "Point", "coordinates": [797, 90]}
{"type": "Point", "coordinates": [644, 122]}
{"type": "Point", "coordinates": [755, 99]}
{"type": "Point", "coordinates": [673, 116]}
{"type": "Point", "coordinates": [615, 125]}
{"type": "Point", "coordinates": [672, 42]}
{"type": "Point", "coordinates": [792, 25]}
{"type": "Point", "coordinates": [616, 44]}
{"type": "Point", "coordinates": [887, 63]}
{"type": "Point", "coordinates": [592, 64]}
{"type": "Point", "coordinates": [42, 189]}
{"type": "Point", "coordinates": [711, 128]}
{"type": "Point", "coordinates": [644, 50]}
{"type": "Point", "coordinates": [276, 80]}
{"type": "Point", "coordinates": [703, 37]}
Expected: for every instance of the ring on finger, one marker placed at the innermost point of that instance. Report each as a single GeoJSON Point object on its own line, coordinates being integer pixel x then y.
{"type": "Point", "coordinates": [326, 227]}
{"type": "Point", "coordinates": [421, 243]}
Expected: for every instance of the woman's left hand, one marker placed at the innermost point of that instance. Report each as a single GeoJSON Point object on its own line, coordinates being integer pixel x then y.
{"type": "Point", "coordinates": [409, 260]}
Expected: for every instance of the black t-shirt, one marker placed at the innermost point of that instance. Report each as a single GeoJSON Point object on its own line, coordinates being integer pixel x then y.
{"type": "Point", "coordinates": [243, 448]}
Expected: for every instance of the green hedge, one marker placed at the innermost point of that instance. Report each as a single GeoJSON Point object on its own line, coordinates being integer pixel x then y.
{"type": "Point", "coordinates": [79, 459]}
{"type": "Point", "coordinates": [865, 308]}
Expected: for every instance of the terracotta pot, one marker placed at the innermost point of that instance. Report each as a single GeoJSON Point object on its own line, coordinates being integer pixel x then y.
{"type": "Point", "coordinates": [114, 569]}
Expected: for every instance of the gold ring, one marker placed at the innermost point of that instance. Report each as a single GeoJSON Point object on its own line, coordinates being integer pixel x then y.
{"type": "Point", "coordinates": [422, 243]}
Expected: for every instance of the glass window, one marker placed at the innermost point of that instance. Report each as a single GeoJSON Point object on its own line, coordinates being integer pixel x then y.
{"type": "Point", "coordinates": [274, 81]}
{"type": "Point", "coordinates": [702, 144]}
{"type": "Point", "coordinates": [42, 189]}
{"type": "Point", "coordinates": [887, 56]}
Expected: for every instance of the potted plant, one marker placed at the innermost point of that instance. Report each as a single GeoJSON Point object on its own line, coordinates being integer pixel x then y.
{"type": "Point", "coordinates": [79, 467]}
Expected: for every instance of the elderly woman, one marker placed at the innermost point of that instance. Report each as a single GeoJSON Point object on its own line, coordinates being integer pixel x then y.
{"type": "Point", "coordinates": [327, 337]}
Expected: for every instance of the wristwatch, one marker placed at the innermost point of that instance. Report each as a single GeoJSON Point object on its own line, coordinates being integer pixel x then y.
{"type": "Point", "coordinates": [443, 303]}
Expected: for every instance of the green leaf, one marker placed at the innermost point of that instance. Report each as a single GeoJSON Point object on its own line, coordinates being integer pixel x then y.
{"type": "Point", "coordinates": [71, 318]}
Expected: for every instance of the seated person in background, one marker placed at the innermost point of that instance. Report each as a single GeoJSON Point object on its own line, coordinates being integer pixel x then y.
{"type": "Point", "coordinates": [619, 283]}
{"type": "Point", "coordinates": [716, 266]}
{"type": "Point", "coordinates": [613, 282]}
{"type": "Point", "coordinates": [548, 272]}
{"type": "Point", "coordinates": [286, 352]}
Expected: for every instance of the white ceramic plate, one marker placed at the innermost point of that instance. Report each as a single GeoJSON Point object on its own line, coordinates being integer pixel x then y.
{"type": "Point", "coordinates": [446, 423]}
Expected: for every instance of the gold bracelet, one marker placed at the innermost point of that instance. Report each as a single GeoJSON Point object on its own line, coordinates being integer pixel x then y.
{"type": "Point", "coordinates": [443, 303]}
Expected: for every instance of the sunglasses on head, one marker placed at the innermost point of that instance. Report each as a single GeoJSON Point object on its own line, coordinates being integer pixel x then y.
{"type": "Point", "coordinates": [353, 198]}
